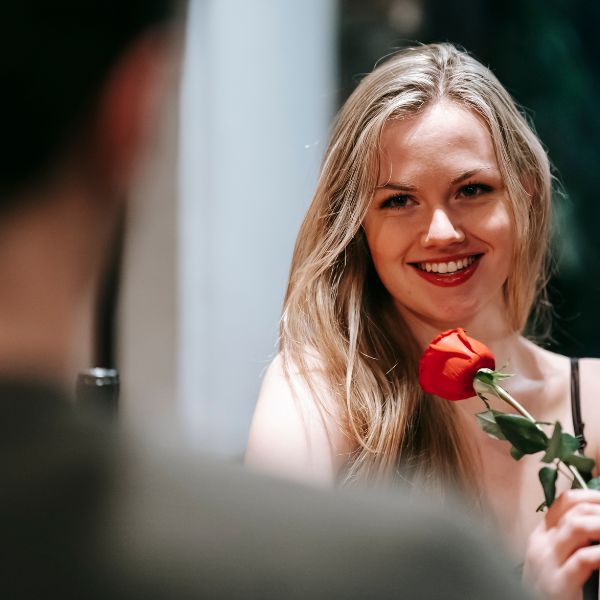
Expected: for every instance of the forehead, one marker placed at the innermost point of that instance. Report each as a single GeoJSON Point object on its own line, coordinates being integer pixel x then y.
{"type": "Point", "coordinates": [445, 135]}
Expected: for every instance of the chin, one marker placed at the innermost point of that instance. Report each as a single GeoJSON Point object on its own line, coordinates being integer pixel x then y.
{"type": "Point", "coordinates": [448, 315]}
{"type": "Point", "coordinates": [452, 318]}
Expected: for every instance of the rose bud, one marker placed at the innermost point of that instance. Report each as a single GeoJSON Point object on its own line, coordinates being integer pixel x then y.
{"type": "Point", "coordinates": [450, 362]}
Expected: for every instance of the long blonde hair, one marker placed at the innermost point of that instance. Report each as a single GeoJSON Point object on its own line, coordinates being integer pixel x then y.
{"type": "Point", "coordinates": [335, 303]}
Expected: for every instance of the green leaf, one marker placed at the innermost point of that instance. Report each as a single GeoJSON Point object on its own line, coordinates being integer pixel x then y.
{"type": "Point", "coordinates": [548, 477]}
{"type": "Point", "coordinates": [486, 376]}
{"type": "Point", "coordinates": [516, 453]}
{"type": "Point", "coordinates": [489, 377]}
{"type": "Point", "coordinates": [553, 451]}
{"type": "Point", "coordinates": [583, 464]}
{"type": "Point", "coordinates": [522, 433]}
{"type": "Point", "coordinates": [594, 484]}
{"type": "Point", "coordinates": [561, 445]}
{"type": "Point", "coordinates": [569, 445]}
{"type": "Point", "coordinates": [487, 422]}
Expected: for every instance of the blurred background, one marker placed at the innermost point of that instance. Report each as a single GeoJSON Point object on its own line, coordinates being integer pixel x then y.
{"type": "Point", "coordinates": [226, 184]}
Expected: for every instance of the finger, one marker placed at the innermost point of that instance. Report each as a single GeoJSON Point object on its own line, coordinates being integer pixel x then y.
{"type": "Point", "coordinates": [575, 531]}
{"type": "Point", "coordinates": [568, 500]}
{"type": "Point", "coordinates": [540, 550]}
{"type": "Point", "coordinates": [580, 565]}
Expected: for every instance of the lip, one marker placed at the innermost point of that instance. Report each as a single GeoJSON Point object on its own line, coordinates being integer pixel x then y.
{"type": "Point", "coordinates": [449, 279]}
{"type": "Point", "coordinates": [447, 258]}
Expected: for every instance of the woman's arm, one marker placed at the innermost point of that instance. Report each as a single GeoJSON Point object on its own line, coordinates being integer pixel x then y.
{"type": "Point", "coordinates": [293, 434]}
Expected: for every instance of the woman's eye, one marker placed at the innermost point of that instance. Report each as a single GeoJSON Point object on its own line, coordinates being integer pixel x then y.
{"type": "Point", "coordinates": [471, 190]}
{"type": "Point", "coordinates": [400, 201]}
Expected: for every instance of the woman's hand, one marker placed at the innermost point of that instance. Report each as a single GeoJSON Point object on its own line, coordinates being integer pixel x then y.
{"type": "Point", "coordinates": [559, 557]}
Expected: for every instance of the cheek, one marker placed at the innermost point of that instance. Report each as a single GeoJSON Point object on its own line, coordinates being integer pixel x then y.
{"type": "Point", "coordinates": [385, 239]}
{"type": "Point", "coordinates": [499, 233]}
{"type": "Point", "coordinates": [500, 219]}
{"type": "Point", "coordinates": [494, 227]}
{"type": "Point", "coordinates": [501, 230]}
{"type": "Point", "coordinates": [387, 246]}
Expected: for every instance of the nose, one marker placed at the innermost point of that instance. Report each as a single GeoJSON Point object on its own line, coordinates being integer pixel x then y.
{"type": "Point", "coordinates": [442, 230]}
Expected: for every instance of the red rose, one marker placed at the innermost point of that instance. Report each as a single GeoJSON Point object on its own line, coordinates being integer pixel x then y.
{"type": "Point", "coordinates": [450, 362]}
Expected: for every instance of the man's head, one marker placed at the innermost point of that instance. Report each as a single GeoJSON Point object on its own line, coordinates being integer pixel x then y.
{"type": "Point", "coordinates": [79, 79]}
{"type": "Point", "coordinates": [56, 59]}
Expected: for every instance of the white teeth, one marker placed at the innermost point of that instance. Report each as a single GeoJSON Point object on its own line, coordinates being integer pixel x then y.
{"type": "Point", "coordinates": [449, 267]}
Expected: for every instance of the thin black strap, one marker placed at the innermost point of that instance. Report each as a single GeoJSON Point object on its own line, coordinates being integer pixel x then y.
{"type": "Point", "coordinates": [590, 587]}
{"type": "Point", "coordinates": [578, 425]}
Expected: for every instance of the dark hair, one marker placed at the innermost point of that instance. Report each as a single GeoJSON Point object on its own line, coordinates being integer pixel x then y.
{"type": "Point", "coordinates": [54, 58]}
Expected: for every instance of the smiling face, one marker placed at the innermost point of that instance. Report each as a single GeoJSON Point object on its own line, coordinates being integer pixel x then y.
{"type": "Point", "coordinates": [438, 227]}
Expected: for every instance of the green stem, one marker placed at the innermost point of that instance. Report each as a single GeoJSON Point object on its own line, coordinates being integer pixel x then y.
{"type": "Point", "coordinates": [574, 472]}
{"type": "Point", "coordinates": [504, 395]}
{"type": "Point", "coordinates": [578, 478]}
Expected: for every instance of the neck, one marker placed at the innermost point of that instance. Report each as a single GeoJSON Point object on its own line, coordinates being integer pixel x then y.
{"type": "Point", "coordinates": [489, 326]}
{"type": "Point", "coordinates": [514, 354]}
{"type": "Point", "coordinates": [50, 256]}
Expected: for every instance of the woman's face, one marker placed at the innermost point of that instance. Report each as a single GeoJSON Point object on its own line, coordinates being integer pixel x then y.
{"type": "Point", "coordinates": [438, 227]}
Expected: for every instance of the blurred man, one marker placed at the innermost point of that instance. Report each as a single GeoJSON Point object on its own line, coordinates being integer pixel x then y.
{"type": "Point", "coordinates": [83, 513]}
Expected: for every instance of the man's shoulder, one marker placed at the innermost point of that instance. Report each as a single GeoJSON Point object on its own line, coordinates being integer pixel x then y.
{"type": "Point", "coordinates": [218, 529]}
{"type": "Point", "coordinates": [91, 514]}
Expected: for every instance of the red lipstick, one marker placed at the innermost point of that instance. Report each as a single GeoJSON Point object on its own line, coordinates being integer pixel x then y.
{"type": "Point", "coordinates": [449, 279]}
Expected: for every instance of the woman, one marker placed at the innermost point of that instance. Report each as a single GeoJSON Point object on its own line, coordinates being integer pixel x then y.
{"type": "Point", "coordinates": [431, 212]}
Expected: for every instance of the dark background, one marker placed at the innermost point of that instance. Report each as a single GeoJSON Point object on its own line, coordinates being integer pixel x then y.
{"type": "Point", "coordinates": [547, 54]}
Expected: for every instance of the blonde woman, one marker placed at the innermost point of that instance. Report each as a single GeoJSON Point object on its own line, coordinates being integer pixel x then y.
{"type": "Point", "coordinates": [432, 211]}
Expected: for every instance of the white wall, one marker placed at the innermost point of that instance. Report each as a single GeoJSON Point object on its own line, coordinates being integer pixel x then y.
{"type": "Point", "coordinates": [256, 102]}
{"type": "Point", "coordinates": [147, 353]}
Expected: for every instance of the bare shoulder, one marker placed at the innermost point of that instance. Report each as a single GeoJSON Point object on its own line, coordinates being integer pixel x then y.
{"type": "Point", "coordinates": [589, 381]}
{"type": "Point", "coordinates": [589, 377]}
{"type": "Point", "coordinates": [589, 369]}
{"type": "Point", "coordinates": [549, 375]}
{"type": "Point", "coordinates": [296, 430]}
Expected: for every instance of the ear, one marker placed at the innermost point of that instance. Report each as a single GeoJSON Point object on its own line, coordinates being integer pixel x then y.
{"type": "Point", "coordinates": [127, 107]}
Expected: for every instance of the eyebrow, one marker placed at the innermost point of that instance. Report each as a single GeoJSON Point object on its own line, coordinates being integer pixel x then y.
{"type": "Point", "coordinates": [406, 187]}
